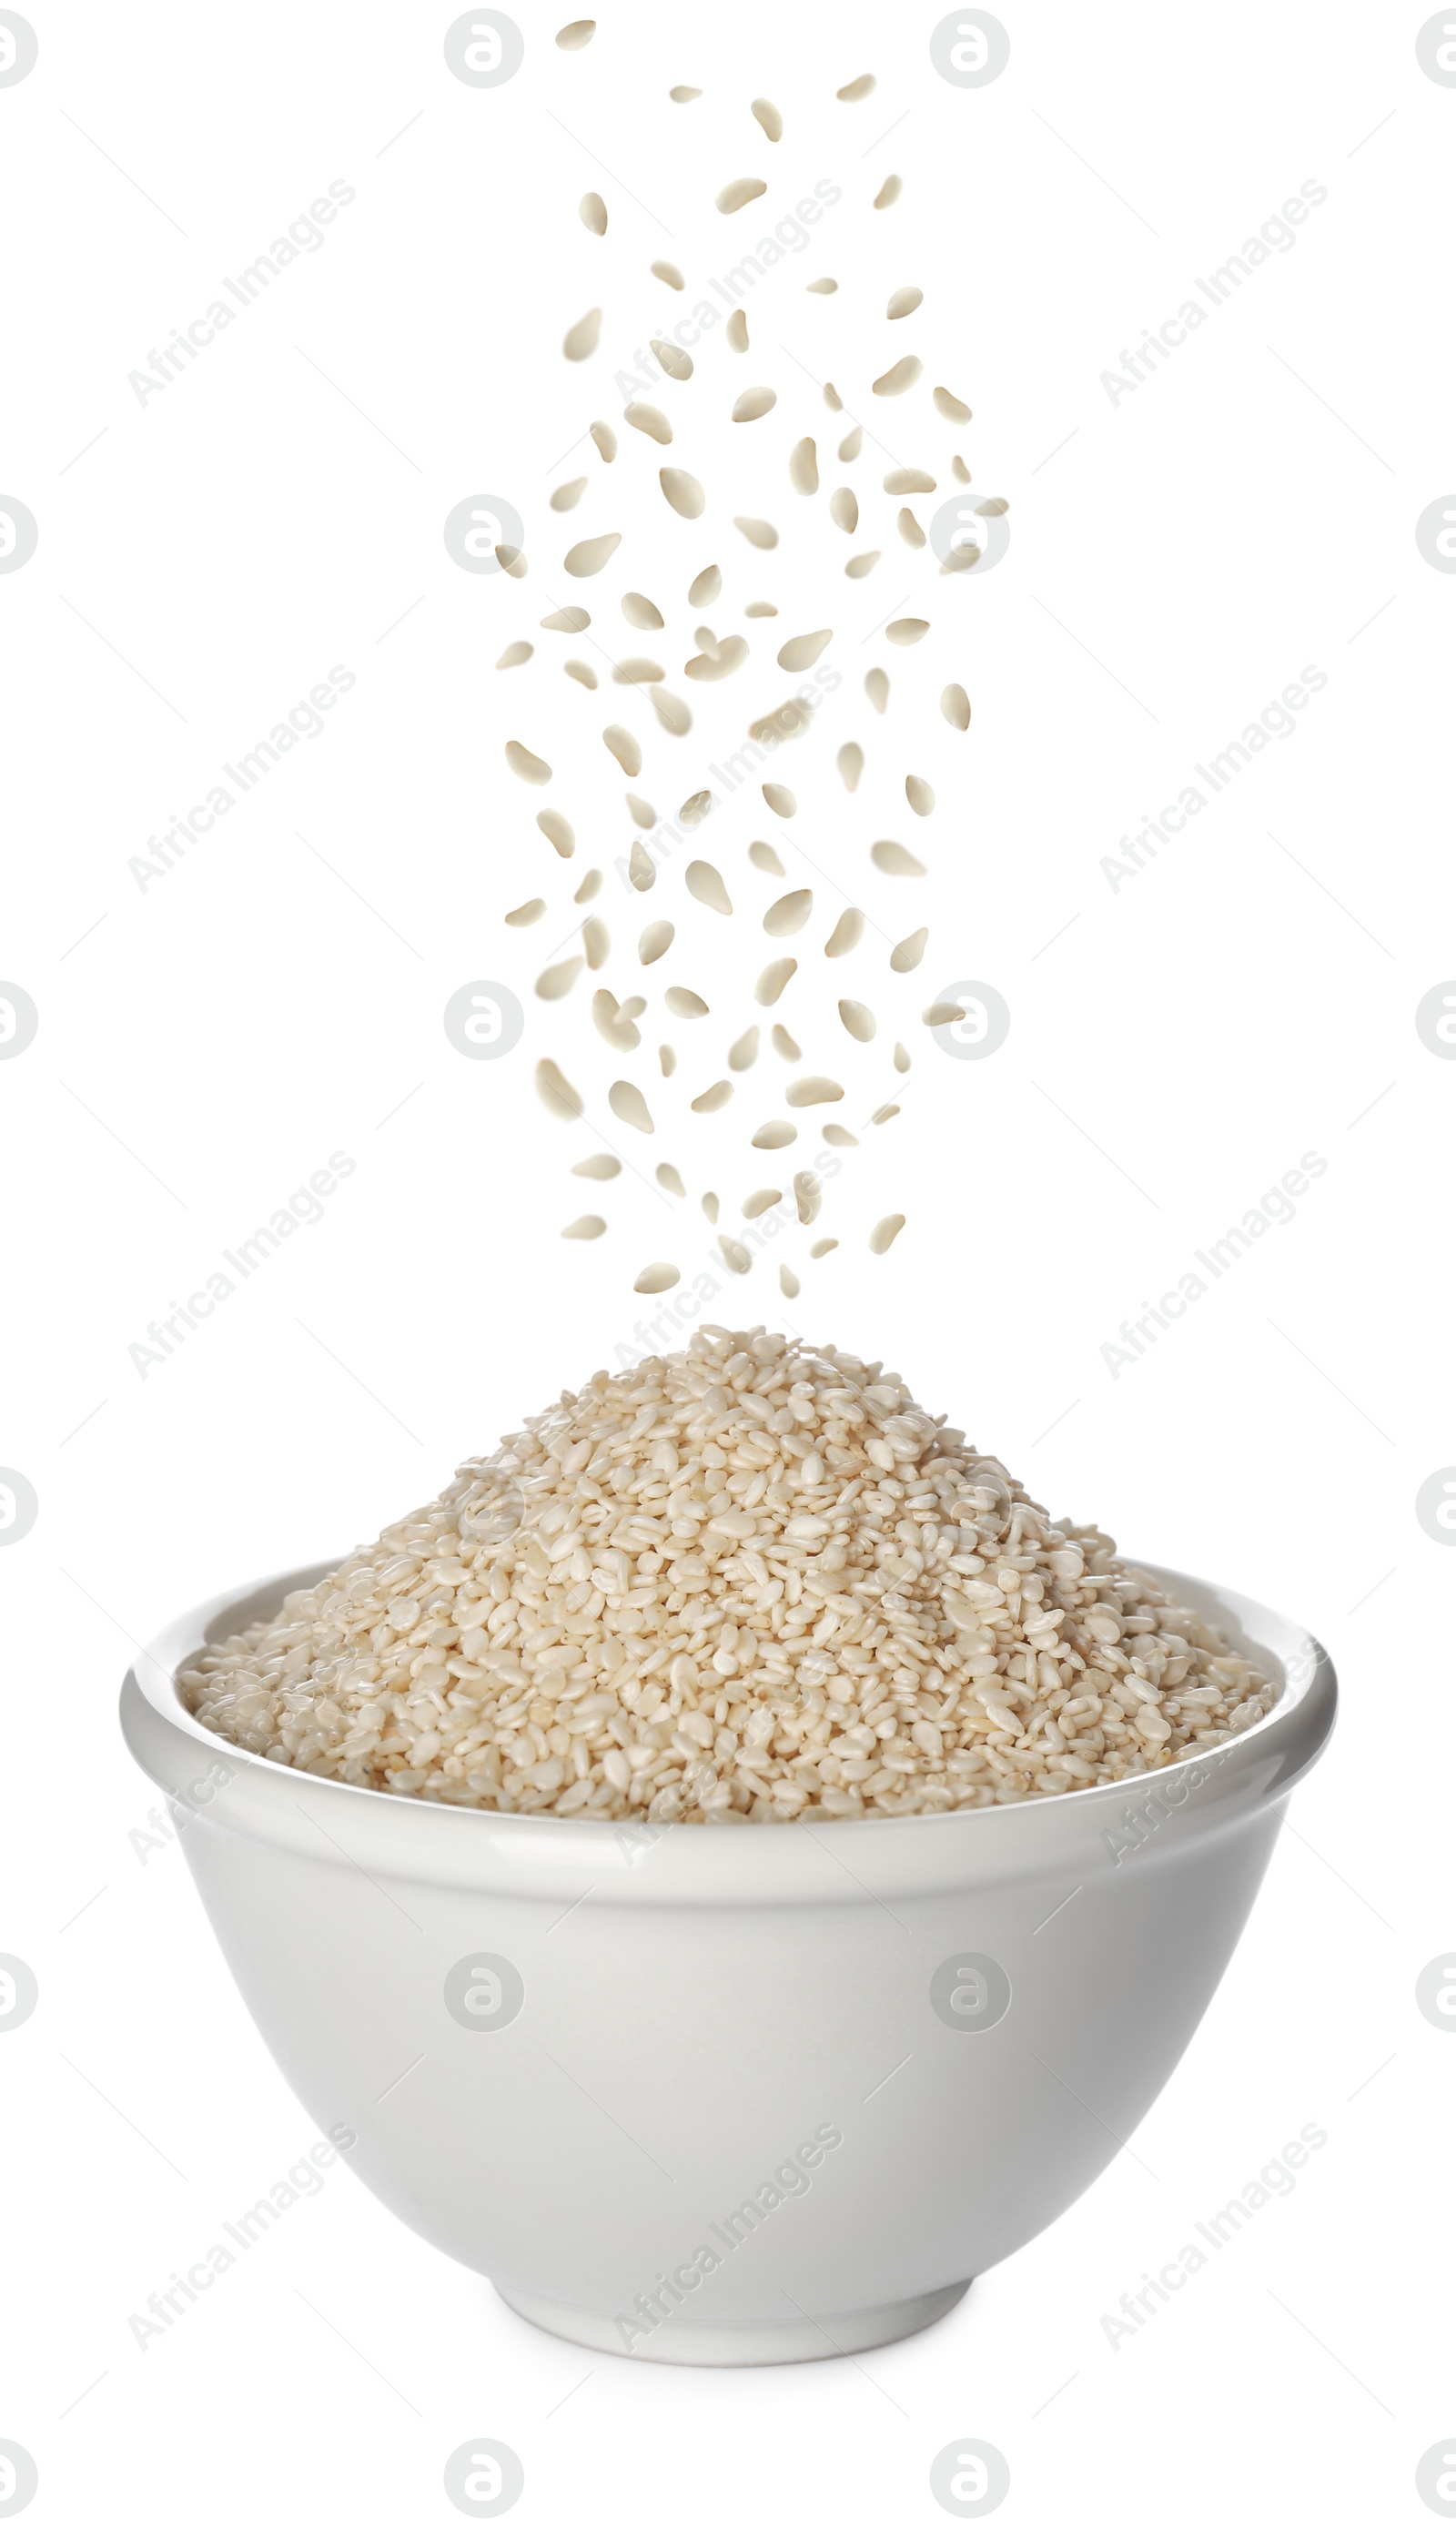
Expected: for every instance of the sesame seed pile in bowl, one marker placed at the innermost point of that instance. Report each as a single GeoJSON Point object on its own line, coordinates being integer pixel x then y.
{"type": "Point", "coordinates": [750, 1580]}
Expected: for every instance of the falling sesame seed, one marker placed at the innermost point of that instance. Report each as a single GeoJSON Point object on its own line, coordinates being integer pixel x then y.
{"type": "Point", "coordinates": [598, 1167]}
{"type": "Point", "coordinates": [674, 362]}
{"type": "Point", "coordinates": [954, 705]}
{"type": "Point", "coordinates": [844, 509]}
{"type": "Point", "coordinates": [760, 607]}
{"type": "Point", "coordinates": [949, 406]}
{"type": "Point", "coordinates": [851, 444]}
{"type": "Point", "coordinates": [693, 810]}
{"type": "Point", "coordinates": [743, 1055]}
{"type": "Point", "coordinates": [712, 1099]}
{"type": "Point", "coordinates": [783, 1043]}
{"type": "Point", "coordinates": [584, 560]}
{"type": "Point", "coordinates": [621, 743]}
{"type": "Point", "coordinates": [884, 1114]}
{"type": "Point", "coordinates": [813, 1090]}
{"type": "Point", "coordinates": [941, 1014]}
{"type": "Point", "coordinates": [857, 90]}
{"type": "Point", "coordinates": [907, 956]}
{"type": "Point", "coordinates": [711, 666]}
{"type": "Point", "coordinates": [742, 190]}
{"type": "Point", "coordinates": [901, 1058]}
{"type": "Point", "coordinates": [650, 421]}
{"type": "Point", "coordinates": [781, 801]}
{"type": "Point", "coordinates": [567, 495]}
{"type": "Point", "coordinates": [704, 883]}
{"type": "Point", "coordinates": [656, 1277]}
{"type": "Point", "coordinates": [667, 272]}
{"type": "Point", "coordinates": [841, 1139]}
{"type": "Point", "coordinates": [684, 95]}
{"type": "Point", "coordinates": [671, 711]}
{"type": "Point", "coordinates": [808, 1195]}
{"type": "Point", "coordinates": [903, 302]}
{"type": "Point", "coordinates": [899, 379]}
{"type": "Point", "coordinates": [512, 560]}
{"type": "Point", "coordinates": [604, 440]}
{"type": "Point", "coordinates": [770, 984]}
{"type": "Point", "coordinates": [736, 330]}
{"type": "Point", "coordinates": [885, 1231]}
{"type": "Point", "coordinates": [877, 686]}
{"type": "Point", "coordinates": [671, 1182]}
{"type": "Point", "coordinates": [597, 941]}
{"type": "Point", "coordinates": [614, 1026]}
{"type": "Point", "coordinates": [557, 832]}
{"type": "Point", "coordinates": [758, 533]}
{"type": "Point", "coordinates": [707, 585]}
{"type": "Point", "coordinates": [789, 914]}
{"type": "Point", "coordinates": [711, 1208]}
{"type": "Point", "coordinates": [920, 794]}
{"type": "Point", "coordinates": [767, 117]}
{"type": "Point", "coordinates": [555, 1091]}
{"type": "Point", "coordinates": [907, 631]}
{"type": "Point", "coordinates": [685, 1004]}
{"type": "Point", "coordinates": [857, 1021]}
{"type": "Point", "coordinates": [575, 38]}
{"type": "Point", "coordinates": [526, 765]}
{"type": "Point", "coordinates": [847, 933]}
{"type": "Point", "coordinates": [753, 403]}
{"type": "Point", "coordinates": [590, 885]}
{"type": "Point", "coordinates": [654, 943]}
{"type": "Point", "coordinates": [861, 565]}
{"type": "Point", "coordinates": [912, 531]}
{"type": "Point", "coordinates": [584, 675]}
{"type": "Point", "coordinates": [517, 654]}
{"type": "Point", "coordinates": [788, 1283]}
{"type": "Point", "coordinates": [584, 335]}
{"type": "Point", "coordinates": [524, 915]}
{"type": "Point", "coordinates": [754, 1205]}
{"type": "Point", "coordinates": [823, 1246]}
{"type": "Point", "coordinates": [959, 468]}
{"type": "Point", "coordinates": [641, 811]}
{"type": "Point", "coordinates": [629, 1105]}
{"type": "Point", "coordinates": [590, 1225]}
{"type": "Point", "coordinates": [734, 1253]}
{"type": "Point", "coordinates": [824, 289]}
{"type": "Point", "coordinates": [803, 466]}
{"type": "Point", "coordinates": [804, 647]}
{"type": "Point", "coordinates": [908, 478]}
{"type": "Point", "coordinates": [766, 858]}
{"type": "Point", "coordinates": [774, 1137]}
{"type": "Point", "coordinates": [640, 612]}
{"type": "Point", "coordinates": [641, 868]}
{"type": "Point", "coordinates": [894, 861]}
{"type": "Point", "coordinates": [567, 618]}
{"type": "Point", "coordinates": [591, 210]}
{"type": "Point", "coordinates": [890, 191]}
{"type": "Point", "coordinates": [666, 1060]}
{"type": "Point", "coordinates": [682, 492]}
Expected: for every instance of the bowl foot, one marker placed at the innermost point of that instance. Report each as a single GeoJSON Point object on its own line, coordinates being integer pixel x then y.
{"type": "Point", "coordinates": [730, 2343]}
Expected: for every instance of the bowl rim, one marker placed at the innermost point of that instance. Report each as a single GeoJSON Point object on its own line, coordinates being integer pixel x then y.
{"type": "Point", "coordinates": [1281, 1745]}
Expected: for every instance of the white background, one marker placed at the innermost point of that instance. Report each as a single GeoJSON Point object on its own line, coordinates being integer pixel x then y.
{"type": "Point", "coordinates": [1177, 556]}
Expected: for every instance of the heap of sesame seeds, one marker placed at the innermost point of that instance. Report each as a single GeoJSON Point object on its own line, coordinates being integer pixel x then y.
{"type": "Point", "coordinates": [752, 1580]}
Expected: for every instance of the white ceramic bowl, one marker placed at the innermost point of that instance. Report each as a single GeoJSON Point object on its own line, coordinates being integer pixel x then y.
{"type": "Point", "coordinates": [758, 2093]}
